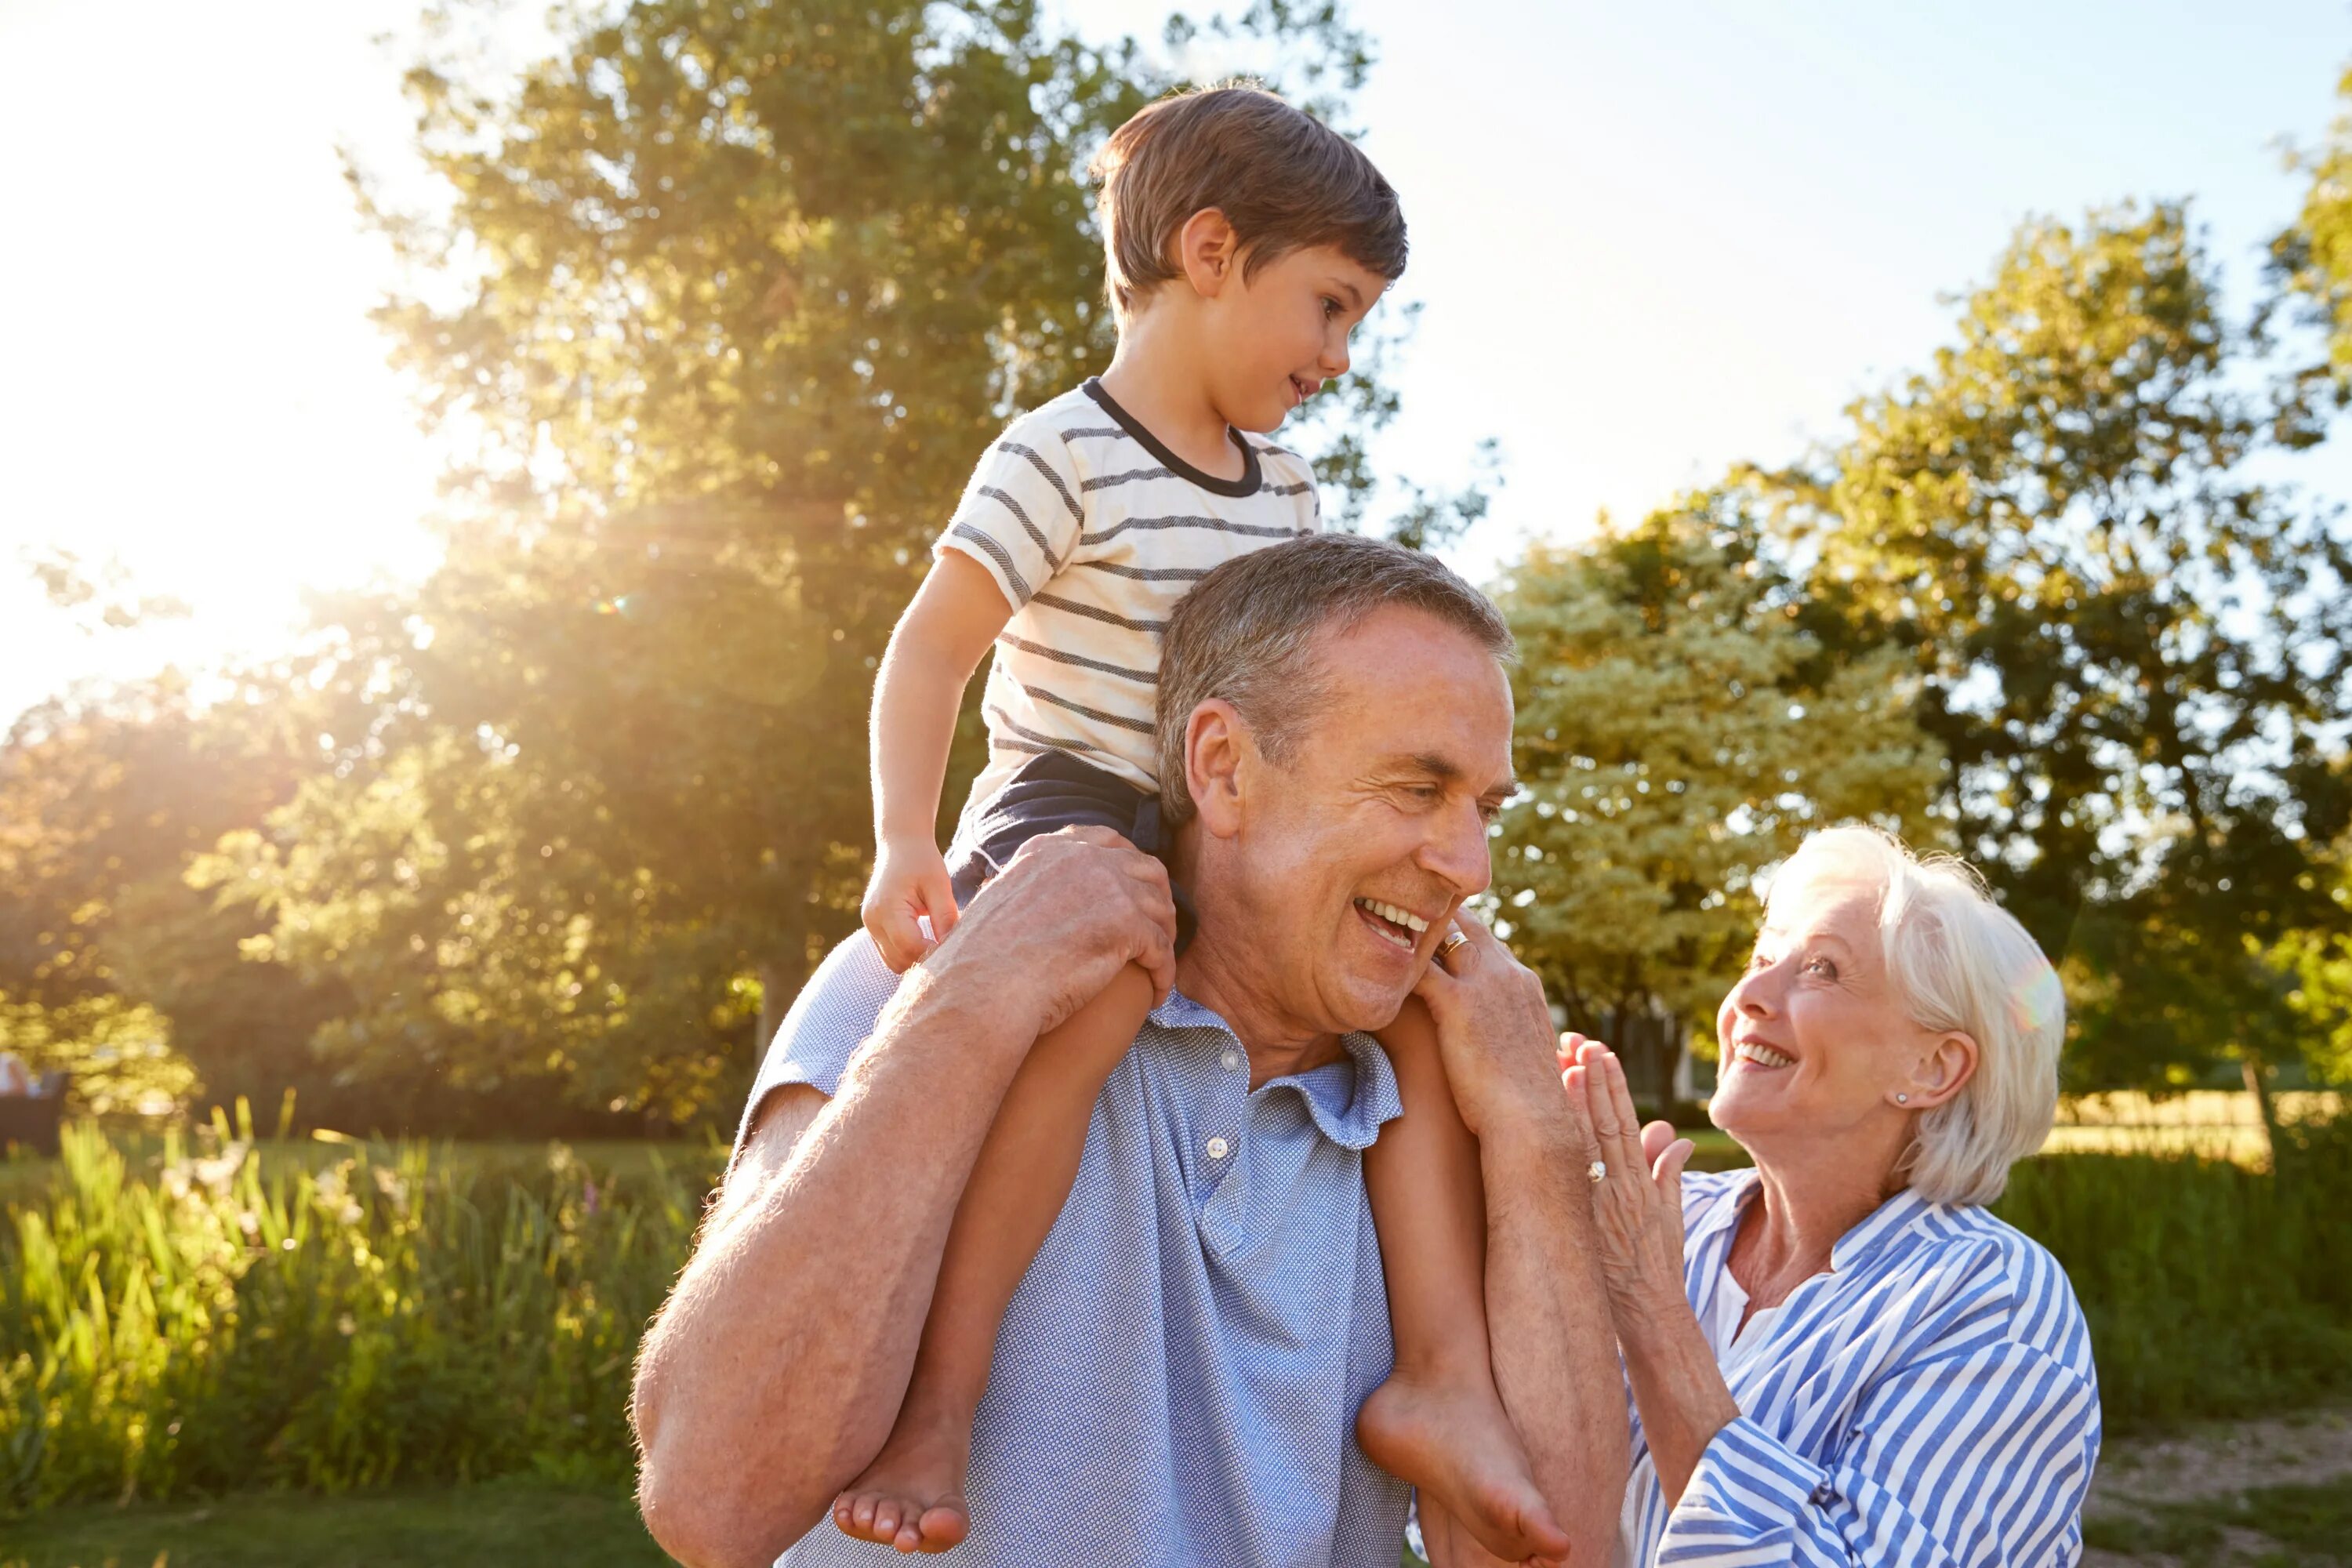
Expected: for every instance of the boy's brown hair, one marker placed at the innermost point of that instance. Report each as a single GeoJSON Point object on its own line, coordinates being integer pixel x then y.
{"type": "Point", "coordinates": [1284, 180]}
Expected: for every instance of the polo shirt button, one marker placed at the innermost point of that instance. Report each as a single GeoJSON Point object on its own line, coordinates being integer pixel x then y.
{"type": "Point", "coordinates": [1231, 1061]}
{"type": "Point", "coordinates": [1218, 1148]}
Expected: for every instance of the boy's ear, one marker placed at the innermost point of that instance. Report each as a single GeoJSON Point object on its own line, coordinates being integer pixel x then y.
{"type": "Point", "coordinates": [1207, 252]}
{"type": "Point", "coordinates": [1216, 742]}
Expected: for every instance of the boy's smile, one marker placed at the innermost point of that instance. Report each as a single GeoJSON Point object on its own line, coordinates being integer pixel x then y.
{"type": "Point", "coordinates": [1279, 334]}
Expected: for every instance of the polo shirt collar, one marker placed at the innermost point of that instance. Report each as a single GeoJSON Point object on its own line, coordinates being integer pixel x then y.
{"type": "Point", "coordinates": [1348, 1101]}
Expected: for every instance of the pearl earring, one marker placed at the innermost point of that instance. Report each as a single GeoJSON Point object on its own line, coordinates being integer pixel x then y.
{"type": "Point", "coordinates": [1902, 1100]}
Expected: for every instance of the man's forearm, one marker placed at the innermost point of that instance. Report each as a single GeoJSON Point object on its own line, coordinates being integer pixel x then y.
{"type": "Point", "coordinates": [775, 1370]}
{"type": "Point", "coordinates": [1555, 1358]}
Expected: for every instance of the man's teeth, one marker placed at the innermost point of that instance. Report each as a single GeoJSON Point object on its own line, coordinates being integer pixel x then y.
{"type": "Point", "coordinates": [1761, 1055]}
{"type": "Point", "coordinates": [1395, 916]}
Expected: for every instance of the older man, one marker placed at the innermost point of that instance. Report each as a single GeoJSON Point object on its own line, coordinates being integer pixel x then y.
{"type": "Point", "coordinates": [1177, 1378]}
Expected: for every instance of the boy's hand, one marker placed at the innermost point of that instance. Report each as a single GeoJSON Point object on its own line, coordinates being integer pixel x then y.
{"type": "Point", "coordinates": [910, 879]}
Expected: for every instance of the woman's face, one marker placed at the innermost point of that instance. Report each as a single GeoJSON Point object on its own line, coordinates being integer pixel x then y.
{"type": "Point", "coordinates": [1816, 1045]}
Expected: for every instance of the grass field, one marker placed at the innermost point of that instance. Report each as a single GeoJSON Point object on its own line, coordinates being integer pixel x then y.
{"type": "Point", "coordinates": [520, 1526]}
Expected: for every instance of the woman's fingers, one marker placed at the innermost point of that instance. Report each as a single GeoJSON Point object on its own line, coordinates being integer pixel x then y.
{"type": "Point", "coordinates": [1613, 1115]}
{"type": "Point", "coordinates": [1655, 1136]}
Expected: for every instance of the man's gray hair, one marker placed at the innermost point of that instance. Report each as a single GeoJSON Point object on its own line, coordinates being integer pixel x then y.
{"type": "Point", "coordinates": [1248, 634]}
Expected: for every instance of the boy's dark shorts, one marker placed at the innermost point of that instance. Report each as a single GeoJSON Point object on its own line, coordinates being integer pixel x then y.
{"type": "Point", "coordinates": [1052, 791]}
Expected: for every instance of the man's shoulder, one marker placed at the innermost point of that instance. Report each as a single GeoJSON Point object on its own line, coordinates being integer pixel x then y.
{"type": "Point", "coordinates": [835, 1013]}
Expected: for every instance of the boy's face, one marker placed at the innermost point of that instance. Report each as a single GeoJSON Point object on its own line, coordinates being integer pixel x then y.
{"type": "Point", "coordinates": [1279, 336]}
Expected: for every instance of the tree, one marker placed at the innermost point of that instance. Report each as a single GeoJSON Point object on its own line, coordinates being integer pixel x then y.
{"type": "Point", "coordinates": [104, 796]}
{"type": "Point", "coordinates": [1680, 729]}
{"type": "Point", "coordinates": [2131, 649]}
{"type": "Point", "coordinates": [732, 297]}
{"type": "Point", "coordinates": [2311, 259]}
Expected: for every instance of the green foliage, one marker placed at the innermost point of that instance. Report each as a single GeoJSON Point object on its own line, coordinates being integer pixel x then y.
{"type": "Point", "coordinates": [732, 300]}
{"type": "Point", "coordinates": [120, 1055]}
{"type": "Point", "coordinates": [2311, 259]}
{"type": "Point", "coordinates": [2211, 1290]}
{"type": "Point", "coordinates": [228, 1320]}
{"type": "Point", "coordinates": [103, 800]}
{"type": "Point", "coordinates": [1681, 728]}
{"type": "Point", "coordinates": [2131, 649]}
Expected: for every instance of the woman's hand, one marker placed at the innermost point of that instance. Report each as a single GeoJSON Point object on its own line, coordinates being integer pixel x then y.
{"type": "Point", "coordinates": [1637, 1206]}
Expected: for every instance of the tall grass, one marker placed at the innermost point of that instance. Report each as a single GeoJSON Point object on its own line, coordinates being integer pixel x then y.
{"type": "Point", "coordinates": [2211, 1289]}
{"type": "Point", "coordinates": [229, 1314]}
{"type": "Point", "coordinates": [226, 1321]}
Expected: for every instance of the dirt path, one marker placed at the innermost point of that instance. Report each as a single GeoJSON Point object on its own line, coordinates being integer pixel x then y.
{"type": "Point", "coordinates": [2272, 1491]}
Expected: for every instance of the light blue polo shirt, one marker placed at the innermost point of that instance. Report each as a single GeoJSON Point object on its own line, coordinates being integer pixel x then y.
{"type": "Point", "coordinates": [1178, 1377]}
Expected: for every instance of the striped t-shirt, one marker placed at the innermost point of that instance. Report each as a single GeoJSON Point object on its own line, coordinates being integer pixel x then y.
{"type": "Point", "coordinates": [1094, 529]}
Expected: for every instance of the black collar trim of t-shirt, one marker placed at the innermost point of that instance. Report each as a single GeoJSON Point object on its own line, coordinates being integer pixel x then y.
{"type": "Point", "coordinates": [1247, 484]}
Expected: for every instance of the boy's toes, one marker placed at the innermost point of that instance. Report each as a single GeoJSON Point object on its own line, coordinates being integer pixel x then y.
{"type": "Point", "coordinates": [944, 1526]}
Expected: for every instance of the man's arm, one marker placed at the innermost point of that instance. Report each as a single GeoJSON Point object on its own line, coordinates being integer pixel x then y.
{"type": "Point", "coordinates": [773, 1374]}
{"type": "Point", "coordinates": [1554, 1351]}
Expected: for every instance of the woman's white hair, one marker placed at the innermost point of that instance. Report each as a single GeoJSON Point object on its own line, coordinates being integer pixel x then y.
{"type": "Point", "coordinates": [1959, 961]}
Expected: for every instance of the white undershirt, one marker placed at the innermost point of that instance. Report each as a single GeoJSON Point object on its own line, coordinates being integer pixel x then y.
{"type": "Point", "coordinates": [1735, 1344]}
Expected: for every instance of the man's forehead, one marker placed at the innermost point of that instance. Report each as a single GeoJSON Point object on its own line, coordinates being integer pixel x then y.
{"type": "Point", "coordinates": [1421, 693]}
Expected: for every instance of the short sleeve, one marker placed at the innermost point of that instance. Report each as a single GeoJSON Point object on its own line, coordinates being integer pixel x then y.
{"type": "Point", "coordinates": [1020, 516]}
{"type": "Point", "coordinates": [833, 1015]}
{"type": "Point", "coordinates": [1290, 476]}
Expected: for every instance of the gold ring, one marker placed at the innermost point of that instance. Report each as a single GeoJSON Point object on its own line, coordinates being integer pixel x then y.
{"type": "Point", "coordinates": [1454, 940]}
{"type": "Point", "coordinates": [1596, 1171]}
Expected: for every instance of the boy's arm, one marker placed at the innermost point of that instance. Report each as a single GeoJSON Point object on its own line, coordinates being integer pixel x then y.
{"type": "Point", "coordinates": [956, 614]}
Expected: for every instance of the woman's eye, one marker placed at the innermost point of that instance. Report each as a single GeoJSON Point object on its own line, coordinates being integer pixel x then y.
{"type": "Point", "coordinates": [1824, 968]}
{"type": "Point", "coordinates": [1331, 306]}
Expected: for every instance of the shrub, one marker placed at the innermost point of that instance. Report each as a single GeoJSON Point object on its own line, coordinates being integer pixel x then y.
{"type": "Point", "coordinates": [2211, 1290]}
{"type": "Point", "coordinates": [231, 1322]}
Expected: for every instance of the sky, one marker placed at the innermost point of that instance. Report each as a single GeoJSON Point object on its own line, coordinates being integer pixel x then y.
{"type": "Point", "coordinates": [1648, 242]}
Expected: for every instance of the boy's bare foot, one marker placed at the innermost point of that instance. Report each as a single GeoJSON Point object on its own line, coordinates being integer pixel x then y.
{"type": "Point", "coordinates": [1458, 1446]}
{"type": "Point", "coordinates": [911, 1496]}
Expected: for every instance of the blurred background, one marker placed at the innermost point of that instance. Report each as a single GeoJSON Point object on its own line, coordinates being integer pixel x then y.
{"type": "Point", "coordinates": [462, 462]}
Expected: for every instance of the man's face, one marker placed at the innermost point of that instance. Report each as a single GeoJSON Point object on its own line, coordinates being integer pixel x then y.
{"type": "Point", "coordinates": [1381, 811]}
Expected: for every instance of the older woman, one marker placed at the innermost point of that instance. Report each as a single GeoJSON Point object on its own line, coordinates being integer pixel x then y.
{"type": "Point", "coordinates": [1839, 1357]}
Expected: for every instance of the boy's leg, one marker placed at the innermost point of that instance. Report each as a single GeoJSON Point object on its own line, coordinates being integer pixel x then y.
{"type": "Point", "coordinates": [1437, 1421]}
{"type": "Point", "coordinates": [911, 1496]}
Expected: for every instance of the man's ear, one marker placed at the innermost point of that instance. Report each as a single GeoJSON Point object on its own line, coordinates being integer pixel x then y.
{"type": "Point", "coordinates": [1209, 253]}
{"type": "Point", "coordinates": [1217, 745]}
{"type": "Point", "coordinates": [1943, 1071]}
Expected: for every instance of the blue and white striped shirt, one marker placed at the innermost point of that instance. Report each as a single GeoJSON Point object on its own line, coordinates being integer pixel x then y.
{"type": "Point", "coordinates": [1929, 1403]}
{"type": "Point", "coordinates": [1177, 1379]}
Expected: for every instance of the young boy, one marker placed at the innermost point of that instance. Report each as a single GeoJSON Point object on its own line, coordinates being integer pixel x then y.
{"type": "Point", "coordinates": [1244, 241]}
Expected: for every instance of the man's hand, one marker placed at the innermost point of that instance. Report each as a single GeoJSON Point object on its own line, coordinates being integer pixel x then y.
{"type": "Point", "coordinates": [1494, 1034]}
{"type": "Point", "coordinates": [1063, 916]}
